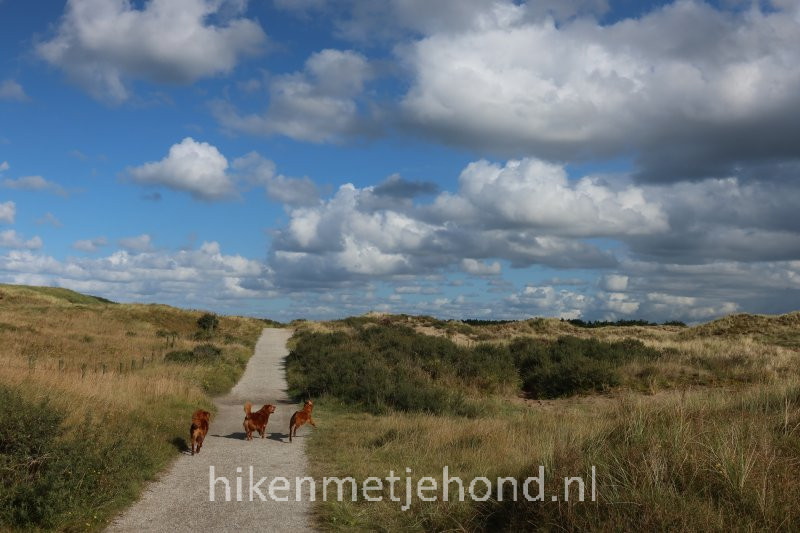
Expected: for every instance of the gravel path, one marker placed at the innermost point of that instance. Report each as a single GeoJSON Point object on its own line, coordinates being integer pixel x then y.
{"type": "Point", "coordinates": [179, 500]}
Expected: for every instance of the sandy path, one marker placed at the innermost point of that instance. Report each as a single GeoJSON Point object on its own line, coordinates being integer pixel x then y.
{"type": "Point", "coordinates": [179, 500]}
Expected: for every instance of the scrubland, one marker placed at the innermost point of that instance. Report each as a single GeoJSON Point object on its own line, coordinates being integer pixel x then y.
{"type": "Point", "coordinates": [688, 428]}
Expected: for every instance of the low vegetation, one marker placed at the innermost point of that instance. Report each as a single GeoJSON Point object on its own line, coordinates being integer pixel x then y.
{"type": "Point", "coordinates": [95, 399]}
{"type": "Point", "coordinates": [688, 428]}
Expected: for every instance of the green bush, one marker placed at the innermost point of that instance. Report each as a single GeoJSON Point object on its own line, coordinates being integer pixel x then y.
{"type": "Point", "coordinates": [50, 481]}
{"type": "Point", "coordinates": [386, 366]}
{"type": "Point", "coordinates": [571, 365]}
{"type": "Point", "coordinates": [202, 353]}
{"type": "Point", "coordinates": [208, 322]}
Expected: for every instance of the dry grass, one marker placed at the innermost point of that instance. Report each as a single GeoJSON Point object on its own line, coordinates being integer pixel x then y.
{"type": "Point", "coordinates": [712, 444]}
{"type": "Point", "coordinates": [700, 460]}
{"type": "Point", "coordinates": [102, 365]}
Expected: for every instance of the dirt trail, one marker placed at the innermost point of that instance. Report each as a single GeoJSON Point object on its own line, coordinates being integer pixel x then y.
{"type": "Point", "coordinates": [179, 500]}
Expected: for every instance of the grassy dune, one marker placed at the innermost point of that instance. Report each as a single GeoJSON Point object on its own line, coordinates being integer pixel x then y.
{"type": "Point", "coordinates": [704, 434]}
{"type": "Point", "coordinates": [91, 406]}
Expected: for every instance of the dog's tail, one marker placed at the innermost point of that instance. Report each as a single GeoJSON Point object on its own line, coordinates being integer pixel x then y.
{"type": "Point", "coordinates": [247, 407]}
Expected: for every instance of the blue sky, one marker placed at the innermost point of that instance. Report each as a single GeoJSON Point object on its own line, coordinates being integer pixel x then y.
{"type": "Point", "coordinates": [470, 158]}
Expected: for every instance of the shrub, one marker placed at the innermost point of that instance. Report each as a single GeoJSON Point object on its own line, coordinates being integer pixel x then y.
{"type": "Point", "coordinates": [202, 353]}
{"type": "Point", "coordinates": [385, 366]}
{"type": "Point", "coordinates": [571, 365]}
{"type": "Point", "coordinates": [208, 322]}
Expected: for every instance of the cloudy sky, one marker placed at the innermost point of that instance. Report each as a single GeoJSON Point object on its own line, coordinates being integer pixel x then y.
{"type": "Point", "coordinates": [598, 159]}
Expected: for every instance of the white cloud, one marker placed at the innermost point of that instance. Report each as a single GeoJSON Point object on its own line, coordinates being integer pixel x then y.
{"type": "Point", "coordinates": [257, 170]}
{"type": "Point", "coordinates": [615, 282]}
{"type": "Point", "coordinates": [11, 90]}
{"type": "Point", "coordinates": [90, 245]}
{"type": "Point", "coordinates": [101, 44]}
{"type": "Point", "coordinates": [318, 104]}
{"type": "Point", "coordinates": [197, 278]}
{"type": "Point", "coordinates": [11, 239]}
{"type": "Point", "coordinates": [618, 303]}
{"type": "Point", "coordinates": [8, 211]}
{"type": "Point", "coordinates": [684, 80]}
{"type": "Point", "coordinates": [140, 243]}
{"type": "Point", "coordinates": [547, 301]}
{"type": "Point", "coordinates": [535, 194]}
{"type": "Point", "coordinates": [480, 268]}
{"type": "Point", "coordinates": [353, 235]}
{"type": "Point", "coordinates": [194, 167]}
{"type": "Point", "coordinates": [35, 183]}
{"type": "Point", "coordinates": [689, 307]}
{"type": "Point", "coordinates": [4, 166]}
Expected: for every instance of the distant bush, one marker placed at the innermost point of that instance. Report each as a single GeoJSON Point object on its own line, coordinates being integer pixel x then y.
{"type": "Point", "coordinates": [202, 353]}
{"type": "Point", "coordinates": [605, 323]}
{"type": "Point", "coordinates": [208, 322]}
{"type": "Point", "coordinates": [571, 365]}
{"type": "Point", "coordinates": [384, 367]}
{"type": "Point", "coordinates": [389, 366]}
{"type": "Point", "coordinates": [481, 322]}
{"type": "Point", "coordinates": [619, 323]}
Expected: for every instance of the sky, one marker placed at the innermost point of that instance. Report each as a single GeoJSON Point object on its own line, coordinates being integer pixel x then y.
{"type": "Point", "coordinates": [490, 159]}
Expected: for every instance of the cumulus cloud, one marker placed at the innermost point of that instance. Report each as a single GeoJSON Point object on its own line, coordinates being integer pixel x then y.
{"type": "Point", "coordinates": [480, 268]}
{"type": "Point", "coordinates": [140, 243]}
{"type": "Point", "coordinates": [90, 245]}
{"type": "Point", "coordinates": [615, 282]}
{"type": "Point", "coordinates": [198, 277]}
{"type": "Point", "coordinates": [691, 88]}
{"type": "Point", "coordinates": [688, 306]}
{"type": "Point", "coordinates": [547, 301]}
{"type": "Point", "coordinates": [741, 218]}
{"type": "Point", "coordinates": [190, 166]}
{"type": "Point", "coordinates": [201, 170]}
{"type": "Point", "coordinates": [526, 212]}
{"type": "Point", "coordinates": [8, 211]}
{"type": "Point", "coordinates": [534, 194]}
{"type": "Point", "coordinates": [102, 44]}
{"type": "Point", "coordinates": [35, 183]}
{"type": "Point", "coordinates": [11, 90]}
{"type": "Point", "coordinates": [317, 104]}
{"type": "Point", "coordinates": [11, 239]}
{"type": "Point", "coordinates": [258, 170]}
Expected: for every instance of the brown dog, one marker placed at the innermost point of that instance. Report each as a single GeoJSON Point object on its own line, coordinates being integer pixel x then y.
{"type": "Point", "coordinates": [256, 421]}
{"type": "Point", "coordinates": [301, 417]}
{"type": "Point", "coordinates": [199, 428]}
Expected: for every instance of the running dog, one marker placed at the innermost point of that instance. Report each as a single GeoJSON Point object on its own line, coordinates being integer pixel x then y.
{"type": "Point", "coordinates": [199, 429]}
{"type": "Point", "coordinates": [301, 417]}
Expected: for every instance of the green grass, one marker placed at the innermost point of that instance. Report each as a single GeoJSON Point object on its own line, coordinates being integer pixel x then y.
{"type": "Point", "coordinates": [60, 477]}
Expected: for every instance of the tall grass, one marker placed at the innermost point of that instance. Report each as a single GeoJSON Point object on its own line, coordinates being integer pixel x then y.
{"type": "Point", "coordinates": [91, 407]}
{"type": "Point", "coordinates": [712, 444]}
{"type": "Point", "coordinates": [705, 460]}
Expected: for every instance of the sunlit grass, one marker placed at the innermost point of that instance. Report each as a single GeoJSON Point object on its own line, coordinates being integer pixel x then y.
{"type": "Point", "coordinates": [123, 409]}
